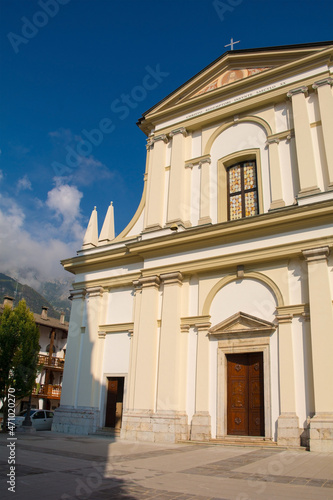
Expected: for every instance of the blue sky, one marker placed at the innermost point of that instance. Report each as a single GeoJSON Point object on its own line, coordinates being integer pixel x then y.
{"type": "Point", "coordinates": [67, 67]}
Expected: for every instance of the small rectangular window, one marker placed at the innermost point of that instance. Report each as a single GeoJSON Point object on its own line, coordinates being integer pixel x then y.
{"type": "Point", "coordinates": [242, 190]}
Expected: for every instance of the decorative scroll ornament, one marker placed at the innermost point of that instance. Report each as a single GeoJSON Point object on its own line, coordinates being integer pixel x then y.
{"type": "Point", "coordinates": [256, 367]}
{"type": "Point", "coordinates": [238, 420]}
{"type": "Point", "coordinates": [238, 368]}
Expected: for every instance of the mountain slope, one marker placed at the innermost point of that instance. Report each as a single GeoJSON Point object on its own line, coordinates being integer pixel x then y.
{"type": "Point", "coordinates": [35, 301]}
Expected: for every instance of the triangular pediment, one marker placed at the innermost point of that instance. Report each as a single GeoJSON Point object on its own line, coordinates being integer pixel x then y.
{"type": "Point", "coordinates": [241, 323]}
{"type": "Point", "coordinates": [228, 77]}
{"type": "Point", "coordinates": [233, 72]}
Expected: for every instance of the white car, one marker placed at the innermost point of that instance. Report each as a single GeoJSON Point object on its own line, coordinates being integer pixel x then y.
{"type": "Point", "coordinates": [41, 419]}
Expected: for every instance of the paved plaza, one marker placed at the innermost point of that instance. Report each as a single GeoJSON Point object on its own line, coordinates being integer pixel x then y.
{"type": "Point", "coordinates": [52, 466]}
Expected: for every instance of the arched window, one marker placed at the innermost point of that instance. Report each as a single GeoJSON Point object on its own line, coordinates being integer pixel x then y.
{"type": "Point", "coordinates": [239, 185]}
{"type": "Point", "coordinates": [242, 190]}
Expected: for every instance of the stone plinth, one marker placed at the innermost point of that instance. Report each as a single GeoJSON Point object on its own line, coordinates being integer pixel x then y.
{"type": "Point", "coordinates": [72, 420]}
{"type": "Point", "coordinates": [201, 426]}
{"type": "Point", "coordinates": [161, 427]}
{"type": "Point", "coordinates": [288, 430]}
{"type": "Point", "coordinates": [321, 432]}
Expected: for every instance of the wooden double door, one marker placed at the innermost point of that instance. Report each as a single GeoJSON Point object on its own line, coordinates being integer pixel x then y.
{"type": "Point", "coordinates": [114, 402]}
{"type": "Point", "coordinates": [245, 394]}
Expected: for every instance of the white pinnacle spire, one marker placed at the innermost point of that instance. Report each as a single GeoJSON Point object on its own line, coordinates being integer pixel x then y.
{"type": "Point", "coordinates": [90, 239]}
{"type": "Point", "coordinates": [107, 233]}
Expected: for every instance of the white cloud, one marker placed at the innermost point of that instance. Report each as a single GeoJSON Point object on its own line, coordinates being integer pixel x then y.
{"type": "Point", "coordinates": [24, 184]}
{"type": "Point", "coordinates": [65, 200]}
{"type": "Point", "coordinates": [39, 246]}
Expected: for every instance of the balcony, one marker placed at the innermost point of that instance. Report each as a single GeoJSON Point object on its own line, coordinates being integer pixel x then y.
{"type": "Point", "coordinates": [56, 363]}
{"type": "Point", "coordinates": [47, 391]}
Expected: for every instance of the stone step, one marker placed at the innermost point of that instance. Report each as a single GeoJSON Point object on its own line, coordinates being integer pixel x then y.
{"type": "Point", "coordinates": [246, 441]}
{"type": "Point", "coordinates": [107, 432]}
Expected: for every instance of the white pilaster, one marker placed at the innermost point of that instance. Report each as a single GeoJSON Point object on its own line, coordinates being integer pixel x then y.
{"type": "Point", "coordinates": [321, 322]}
{"type": "Point", "coordinates": [156, 179]}
{"type": "Point", "coordinates": [288, 423]}
{"type": "Point", "coordinates": [304, 147]}
{"type": "Point", "coordinates": [68, 392]}
{"type": "Point", "coordinates": [205, 215]}
{"type": "Point", "coordinates": [92, 351]}
{"type": "Point", "coordinates": [134, 344]}
{"type": "Point", "coordinates": [177, 174]}
{"type": "Point", "coordinates": [325, 98]}
{"type": "Point", "coordinates": [275, 174]}
{"type": "Point", "coordinates": [201, 420]}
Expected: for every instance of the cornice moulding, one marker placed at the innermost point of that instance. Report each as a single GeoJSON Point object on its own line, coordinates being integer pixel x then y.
{"type": "Point", "coordinates": [283, 220]}
{"type": "Point", "coordinates": [280, 136]}
{"type": "Point", "coordinates": [224, 112]}
{"type": "Point", "coordinates": [194, 320]}
{"type": "Point", "coordinates": [316, 254]}
{"type": "Point", "coordinates": [111, 282]}
{"type": "Point", "coordinates": [116, 328]}
{"type": "Point", "coordinates": [229, 261]}
{"type": "Point", "coordinates": [198, 160]}
{"type": "Point", "coordinates": [293, 310]}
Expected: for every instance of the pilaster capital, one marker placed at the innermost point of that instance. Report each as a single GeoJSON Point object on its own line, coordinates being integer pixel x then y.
{"type": "Point", "coordinates": [321, 83]}
{"type": "Point", "coordinates": [205, 160]}
{"type": "Point", "coordinates": [180, 130]}
{"type": "Point", "coordinates": [95, 291]}
{"type": "Point", "coordinates": [149, 144]}
{"type": "Point", "coordinates": [150, 281]}
{"type": "Point", "coordinates": [305, 316]}
{"type": "Point", "coordinates": [153, 139]}
{"type": "Point", "coordinates": [316, 254]}
{"type": "Point", "coordinates": [273, 140]}
{"type": "Point", "coordinates": [185, 328]}
{"type": "Point", "coordinates": [203, 327]}
{"type": "Point", "coordinates": [284, 318]}
{"type": "Point", "coordinates": [162, 137]}
{"type": "Point", "coordinates": [199, 160]}
{"type": "Point", "coordinates": [77, 294]}
{"type": "Point", "coordinates": [171, 278]}
{"type": "Point", "coordinates": [137, 286]}
{"type": "Point", "coordinates": [299, 90]}
{"type": "Point", "coordinates": [101, 335]}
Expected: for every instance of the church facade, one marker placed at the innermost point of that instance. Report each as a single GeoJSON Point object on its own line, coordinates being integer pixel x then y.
{"type": "Point", "coordinates": [209, 317]}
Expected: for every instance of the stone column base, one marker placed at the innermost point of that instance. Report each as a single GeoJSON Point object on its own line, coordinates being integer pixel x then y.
{"type": "Point", "coordinates": [321, 432]}
{"type": "Point", "coordinates": [160, 427]}
{"type": "Point", "coordinates": [288, 430]}
{"type": "Point", "coordinates": [201, 426]}
{"type": "Point", "coordinates": [72, 420]}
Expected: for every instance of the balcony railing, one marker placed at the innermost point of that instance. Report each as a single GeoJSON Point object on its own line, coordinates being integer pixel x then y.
{"type": "Point", "coordinates": [48, 391]}
{"type": "Point", "coordinates": [54, 362]}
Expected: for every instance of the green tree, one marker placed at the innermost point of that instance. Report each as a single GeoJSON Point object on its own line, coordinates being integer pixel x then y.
{"type": "Point", "coordinates": [19, 347]}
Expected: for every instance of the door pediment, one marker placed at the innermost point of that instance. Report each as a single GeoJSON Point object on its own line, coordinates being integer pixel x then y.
{"type": "Point", "coordinates": [241, 323]}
